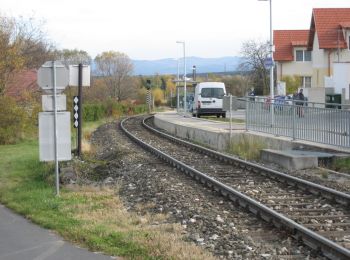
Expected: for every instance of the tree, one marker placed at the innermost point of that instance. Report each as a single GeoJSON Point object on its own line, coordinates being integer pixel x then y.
{"type": "Point", "coordinates": [22, 46]}
{"type": "Point", "coordinates": [254, 54]}
{"type": "Point", "coordinates": [116, 68]}
{"type": "Point", "coordinates": [292, 83]}
{"type": "Point", "coordinates": [73, 57]}
{"type": "Point", "coordinates": [237, 85]}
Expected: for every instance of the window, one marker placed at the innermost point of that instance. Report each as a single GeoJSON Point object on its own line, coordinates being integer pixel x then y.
{"type": "Point", "coordinates": [299, 55]}
{"type": "Point", "coordinates": [305, 81]}
{"type": "Point", "coordinates": [212, 93]}
{"type": "Point", "coordinates": [302, 55]}
{"type": "Point", "coordinates": [307, 55]}
{"type": "Point", "coordinates": [349, 42]}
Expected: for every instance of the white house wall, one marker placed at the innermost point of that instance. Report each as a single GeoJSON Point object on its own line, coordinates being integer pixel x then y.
{"type": "Point", "coordinates": [297, 68]}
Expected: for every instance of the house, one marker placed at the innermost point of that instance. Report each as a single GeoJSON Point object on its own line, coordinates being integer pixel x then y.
{"type": "Point", "coordinates": [292, 56]}
{"type": "Point", "coordinates": [22, 83]}
{"type": "Point", "coordinates": [314, 54]}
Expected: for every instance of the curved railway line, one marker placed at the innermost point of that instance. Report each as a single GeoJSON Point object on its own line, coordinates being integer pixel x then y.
{"type": "Point", "coordinates": [317, 215]}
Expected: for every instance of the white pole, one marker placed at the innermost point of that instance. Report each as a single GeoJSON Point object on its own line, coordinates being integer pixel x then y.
{"type": "Point", "coordinates": [55, 129]}
{"type": "Point", "coordinates": [185, 96]}
{"type": "Point", "coordinates": [271, 69]}
{"type": "Point", "coordinates": [177, 85]}
{"type": "Point", "coordinates": [230, 118]}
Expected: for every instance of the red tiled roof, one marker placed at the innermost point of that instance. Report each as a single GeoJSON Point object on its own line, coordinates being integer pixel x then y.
{"type": "Point", "coordinates": [345, 25]}
{"type": "Point", "coordinates": [299, 43]}
{"type": "Point", "coordinates": [21, 82]}
{"type": "Point", "coordinates": [284, 40]}
{"type": "Point", "coordinates": [327, 23]}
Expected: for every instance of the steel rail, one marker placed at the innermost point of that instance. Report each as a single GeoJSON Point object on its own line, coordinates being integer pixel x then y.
{"type": "Point", "coordinates": [310, 238]}
{"type": "Point", "coordinates": [331, 194]}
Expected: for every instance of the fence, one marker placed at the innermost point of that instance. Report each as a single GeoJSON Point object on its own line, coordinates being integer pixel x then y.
{"type": "Point", "coordinates": [306, 121]}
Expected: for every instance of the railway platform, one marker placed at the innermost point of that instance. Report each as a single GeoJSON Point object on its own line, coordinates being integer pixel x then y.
{"type": "Point", "coordinates": [216, 135]}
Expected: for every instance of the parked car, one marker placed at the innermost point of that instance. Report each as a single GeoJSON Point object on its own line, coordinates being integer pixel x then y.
{"type": "Point", "coordinates": [208, 98]}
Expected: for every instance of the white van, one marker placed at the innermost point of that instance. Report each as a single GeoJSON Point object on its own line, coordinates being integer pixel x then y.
{"type": "Point", "coordinates": [208, 98]}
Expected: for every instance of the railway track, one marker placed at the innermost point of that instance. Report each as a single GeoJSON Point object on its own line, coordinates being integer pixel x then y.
{"type": "Point", "coordinates": [317, 215]}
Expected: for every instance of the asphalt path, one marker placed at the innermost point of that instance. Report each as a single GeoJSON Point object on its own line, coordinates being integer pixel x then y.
{"type": "Point", "coordinates": [20, 239]}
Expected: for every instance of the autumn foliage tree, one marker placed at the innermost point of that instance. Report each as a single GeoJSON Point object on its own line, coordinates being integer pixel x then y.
{"type": "Point", "coordinates": [73, 57]}
{"type": "Point", "coordinates": [22, 46]}
{"type": "Point", "coordinates": [116, 68]}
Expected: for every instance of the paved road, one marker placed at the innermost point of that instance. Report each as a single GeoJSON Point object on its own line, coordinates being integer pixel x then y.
{"type": "Point", "coordinates": [20, 239]}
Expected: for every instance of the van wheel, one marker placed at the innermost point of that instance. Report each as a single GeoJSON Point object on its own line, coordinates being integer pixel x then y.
{"type": "Point", "coordinates": [224, 115]}
{"type": "Point", "coordinates": [198, 115]}
{"type": "Point", "coordinates": [217, 115]}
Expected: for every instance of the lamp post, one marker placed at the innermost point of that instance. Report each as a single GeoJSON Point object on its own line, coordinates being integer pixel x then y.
{"type": "Point", "coordinates": [272, 94]}
{"type": "Point", "coordinates": [177, 86]}
{"type": "Point", "coordinates": [184, 77]}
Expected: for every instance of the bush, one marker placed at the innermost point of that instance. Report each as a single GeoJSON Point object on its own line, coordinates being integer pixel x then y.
{"type": "Point", "coordinates": [110, 108]}
{"type": "Point", "coordinates": [94, 112]}
{"type": "Point", "coordinates": [12, 121]}
{"type": "Point", "coordinates": [246, 147]}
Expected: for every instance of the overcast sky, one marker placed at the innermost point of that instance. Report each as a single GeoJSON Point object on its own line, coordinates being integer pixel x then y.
{"type": "Point", "coordinates": [149, 29]}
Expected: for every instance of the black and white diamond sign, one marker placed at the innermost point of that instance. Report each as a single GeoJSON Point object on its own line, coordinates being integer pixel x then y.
{"type": "Point", "coordinates": [75, 111]}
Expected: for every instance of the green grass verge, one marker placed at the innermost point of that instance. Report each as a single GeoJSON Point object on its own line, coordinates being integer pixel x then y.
{"type": "Point", "coordinates": [25, 189]}
{"type": "Point", "coordinates": [342, 165]}
{"type": "Point", "coordinates": [93, 217]}
{"type": "Point", "coordinates": [246, 147]}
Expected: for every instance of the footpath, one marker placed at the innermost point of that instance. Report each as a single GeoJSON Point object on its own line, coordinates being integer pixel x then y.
{"type": "Point", "coordinates": [20, 239]}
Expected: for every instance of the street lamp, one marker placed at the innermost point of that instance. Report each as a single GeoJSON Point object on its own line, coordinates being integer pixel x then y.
{"type": "Point", "coordinates": [272, 65]}
{"type": "Point", "coordinates": [185, 97]}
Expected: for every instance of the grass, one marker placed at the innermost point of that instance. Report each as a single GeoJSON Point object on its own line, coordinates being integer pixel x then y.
{"type": "Point", "coordinates": [246, 147]}
{"type": "Point", "coordinates": [88, 128]}
{"type": "Point", "coordinates": [342, 165]}
{"type": "Point", "coordinates": [91, 217]}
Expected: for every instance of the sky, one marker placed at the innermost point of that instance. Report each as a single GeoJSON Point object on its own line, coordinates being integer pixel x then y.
{"type": "Point", "coordinates": [149, 29]}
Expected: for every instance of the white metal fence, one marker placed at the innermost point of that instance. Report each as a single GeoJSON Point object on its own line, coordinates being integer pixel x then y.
{"type": "Point", "coordinates": [309, 121]}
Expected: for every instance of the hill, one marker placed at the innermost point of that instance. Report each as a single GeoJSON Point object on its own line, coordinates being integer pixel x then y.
{"type": "Point", "coordinates": [169, 66]}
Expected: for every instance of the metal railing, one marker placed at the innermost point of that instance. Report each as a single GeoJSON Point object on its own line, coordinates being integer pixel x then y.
{"type": "Point", "coordinates": [298, 119]}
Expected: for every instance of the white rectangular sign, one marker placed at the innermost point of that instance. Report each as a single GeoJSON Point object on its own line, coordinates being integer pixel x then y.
{"type": "Point", "coordinates": [74, 75]}
{"type": "Point", "coordinates": [48, 103]}
{"type": "Point", "coordinates": [46, 136]}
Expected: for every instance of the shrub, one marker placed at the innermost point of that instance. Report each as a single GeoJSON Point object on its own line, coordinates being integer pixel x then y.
{"type": "Point", "coordinates": [110, 108]}
{"type": "Point", "coordinates": [94, 112]}
{"type": "Point", "coordinates": [12, 121]}
{"type": "Point", "coordinates": [246, 147]}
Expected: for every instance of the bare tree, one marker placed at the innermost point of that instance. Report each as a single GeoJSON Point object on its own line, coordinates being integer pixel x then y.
{"type": "Point", "coordinates": [254, 54]}
{"type": "Point", "coordinates": [22, 46]}
{"type": "Point", "coordinates": [116, 68]}
{"type": "Point", "coordinates": [73, 57]}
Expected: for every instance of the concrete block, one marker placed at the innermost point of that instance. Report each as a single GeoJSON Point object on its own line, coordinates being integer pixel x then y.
{"type": "Point", "coordinates": [289, 160]}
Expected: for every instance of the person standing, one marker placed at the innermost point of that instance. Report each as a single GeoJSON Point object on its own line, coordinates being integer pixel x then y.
{"type": "Point", "coordinates": [300, 103]}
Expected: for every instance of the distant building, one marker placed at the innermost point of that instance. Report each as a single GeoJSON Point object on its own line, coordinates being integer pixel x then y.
{"type": "Point", "coordinates": [292, 56]}
{"type": "Point", "coordinates": [312, 54]}
{"type": "Point", "coordinates": [22, 83]}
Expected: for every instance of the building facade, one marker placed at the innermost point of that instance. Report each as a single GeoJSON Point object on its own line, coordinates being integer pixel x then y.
{"type": "Point", "coordinates": [311, 54]}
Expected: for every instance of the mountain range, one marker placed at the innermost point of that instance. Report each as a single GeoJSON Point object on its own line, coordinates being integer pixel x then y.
{"type": "Point", "coordinates": [169, 66]}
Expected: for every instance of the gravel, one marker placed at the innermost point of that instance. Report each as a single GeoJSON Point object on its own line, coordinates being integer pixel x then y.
{"type": "Point", "coordinates": [147, 185]}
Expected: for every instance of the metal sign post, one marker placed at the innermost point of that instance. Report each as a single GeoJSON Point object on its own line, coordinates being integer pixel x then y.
{"type": "Point", "coordinates": [55, 127]}
{"type": "Point", "coordinates": [80, 94]}
{"type": "Point", "coordinates": [149, 97]}
{"type": "Point", "coordinates": [269, 63]}
{"type": "Point", "coordinates": [79, 76]}
{"type": "Point", "coordinates": [54, 145]}
{"type": "Point", "coordinates": [230, 118]}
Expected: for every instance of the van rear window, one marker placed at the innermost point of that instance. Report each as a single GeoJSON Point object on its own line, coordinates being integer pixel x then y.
{"type": "Point", "coordinates": [212, 93]}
